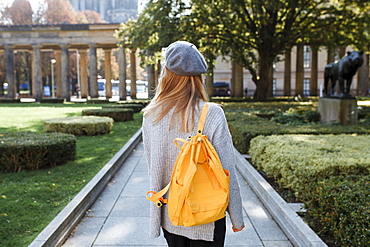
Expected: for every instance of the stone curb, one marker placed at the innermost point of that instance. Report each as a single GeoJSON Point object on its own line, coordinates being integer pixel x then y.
{"type": "Point", "coordinates": [298, 232]}
{"type": "Point", "coordinates": [63, 224]}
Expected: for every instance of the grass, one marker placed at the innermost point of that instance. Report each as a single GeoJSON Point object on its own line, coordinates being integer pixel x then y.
{"type": "Point", "coordinates": [29, 200]}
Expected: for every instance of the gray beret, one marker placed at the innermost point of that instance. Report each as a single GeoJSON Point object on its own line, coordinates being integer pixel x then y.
{"type": "Point", "coordinates": [183, 58]}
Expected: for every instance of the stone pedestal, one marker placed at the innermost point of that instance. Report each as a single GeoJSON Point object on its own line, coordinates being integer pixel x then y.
{"type": "Point", "coordinates": [338, 111]}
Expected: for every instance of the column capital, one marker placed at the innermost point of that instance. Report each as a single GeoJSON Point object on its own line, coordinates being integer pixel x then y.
{"type": "Point", "coordinates": [64, 46]}
{"type": "Point", "coordinates": [9, 46]}
{"type": "Point", "coordinates": [93, 45]}
{"type": "Point", "coordinates": [36, 46]}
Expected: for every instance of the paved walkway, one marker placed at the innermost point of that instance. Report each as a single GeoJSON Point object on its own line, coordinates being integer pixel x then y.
{"type": "Point", "coordinates": [120, 217]}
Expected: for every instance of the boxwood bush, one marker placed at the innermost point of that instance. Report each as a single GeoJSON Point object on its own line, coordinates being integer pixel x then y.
{"type": "Point", "coordinates": [79, 126]}
{"type": "Point", "coordinates": [135, 107]}
{"type": "Point", "coordinates": [328, 172]}
{"type": "Point", "coordinates": [98, 101]}
{"type": "Point", "coordinates": [249, 120]}
{"type": "Point", "coordinates": [117, 114]}
{"type": "Point", "coordinates": [341, 207]}
{"type": "Point", "coordinates": [32, 151]}
{"type": "Point", "coordinates": [52, 100]}
{"type": "Point", "coordinates": [297, 160]}
{"type": "Point", "coordinates": [143, 102]}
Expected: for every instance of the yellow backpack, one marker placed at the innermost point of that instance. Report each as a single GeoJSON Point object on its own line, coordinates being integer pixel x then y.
{"type": "Point", "coordinates": [199, 187]}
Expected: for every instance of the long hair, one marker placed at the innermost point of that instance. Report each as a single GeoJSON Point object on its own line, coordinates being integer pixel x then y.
{"type": "Point", "coordinates": [181, 92]}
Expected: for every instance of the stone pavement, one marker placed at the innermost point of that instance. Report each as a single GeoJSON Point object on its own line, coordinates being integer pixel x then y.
{"type": "Point", "coordinates": [120, 217]}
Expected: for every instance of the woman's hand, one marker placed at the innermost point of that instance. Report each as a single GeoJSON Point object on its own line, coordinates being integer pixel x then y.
{"type": "Point", "coordinates": [238, 230]}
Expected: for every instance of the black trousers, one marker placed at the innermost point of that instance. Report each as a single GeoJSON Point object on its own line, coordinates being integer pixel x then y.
{"type": "Point", "coordinates": [181, 241]}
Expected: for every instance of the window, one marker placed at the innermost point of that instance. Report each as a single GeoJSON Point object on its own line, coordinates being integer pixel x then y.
{"type": "Point", "coordinates": [306, 57]}
{"type": "Point", "coordinates": [274, 87]}
{"type": "Point", "coordinates": [306, 87]}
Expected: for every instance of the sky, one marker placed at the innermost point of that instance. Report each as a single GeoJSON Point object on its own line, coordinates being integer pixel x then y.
{"type": "Point", "coordinates": [34, 3]}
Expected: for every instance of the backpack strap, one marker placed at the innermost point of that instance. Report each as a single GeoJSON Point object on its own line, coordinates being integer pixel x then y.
{"type": "Point", "coordinates": [202, 119]}
{"type": "Point", "coordinates": [157, 198]}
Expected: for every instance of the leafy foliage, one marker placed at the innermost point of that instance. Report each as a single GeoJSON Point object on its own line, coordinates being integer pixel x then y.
{"type": "Point", "coordinates": [85, 125]}
{"type": "Point", "coordinates": [28, 150]}
{"type": "Point", "coordinates": [117, 114]}
{"type": "Point", "coordinates": [340, 206]}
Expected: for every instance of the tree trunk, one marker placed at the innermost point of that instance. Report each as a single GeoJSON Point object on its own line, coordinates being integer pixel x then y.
{"type": "Point", "coordinates": [238, 86]}
{"type": "Point", "coordinates": [265, 73]}
{"type": "Point", "coordinates": [287, 73]}
{"type": "Point", "coordinates": [209, 82]}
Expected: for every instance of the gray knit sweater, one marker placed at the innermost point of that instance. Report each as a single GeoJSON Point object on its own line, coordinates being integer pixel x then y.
{"type": "Point", "coordinates": [161, 153]}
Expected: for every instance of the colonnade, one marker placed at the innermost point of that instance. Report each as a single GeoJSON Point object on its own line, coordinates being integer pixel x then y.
{"type": "Point", "coordinates": [61, 39]}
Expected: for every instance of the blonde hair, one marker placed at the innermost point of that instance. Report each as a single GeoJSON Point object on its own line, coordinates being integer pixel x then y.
{"type": "Point", "coordinates": [181, 92]}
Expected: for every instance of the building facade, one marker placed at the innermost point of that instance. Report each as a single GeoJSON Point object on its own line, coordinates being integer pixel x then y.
{"type": "Point", "coordinates": [303, 70]}
{"type": "Point", "coordinates": [112, 11]}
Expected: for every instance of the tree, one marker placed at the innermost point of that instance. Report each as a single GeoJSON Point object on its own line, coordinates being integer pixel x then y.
{"type": "Point", "coordinates": [156, 27]}
{"type": "Point", "coordinates": [20, 13]}
{"type": "Point", "coordinates": [59, 12]}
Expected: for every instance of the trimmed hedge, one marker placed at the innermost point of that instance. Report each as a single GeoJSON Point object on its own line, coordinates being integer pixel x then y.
{"type": "Point", "coordinates": [79, 126]}
{"type": "Point", "coordinates": [341, 206]}
{"type": "Point", "coordinates": [118, 115]}
{"type": "Point", "coordinates": [98, 101]}
{"type": "Point", "coordinates": [52, 101]}
{"type": "Point", "coordinates": [32, 151]}
{"type": "Point", "coordinates": [6, 101]}
{"type": "Point", "coordinates": [245, 123]}
{"type": "Point", "coordinates": [298, 160]}
{"type": "Point", "coordinates": [143, 102]}
{"type": "Point", "coordinates": [330, 173]}
{"type": "Point", "coordinates": [135, 107]}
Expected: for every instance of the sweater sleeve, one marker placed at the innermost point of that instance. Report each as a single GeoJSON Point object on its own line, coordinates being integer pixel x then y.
{"type": "Point", "coordinates": [221, 139]}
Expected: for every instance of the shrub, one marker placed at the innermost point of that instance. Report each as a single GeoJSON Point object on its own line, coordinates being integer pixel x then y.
{"type": "Point", "coordinates": [143, 102]}
{"type": "Point", "coordinates": [244, 123]}
{"type": "Point", "coordinates": [297, 117]}
{"type": "Point", "coordinates": [10, 101]}
{"type": "Point", "coordinates": [51, 100]}
{"type": "Point", "coordinates": [98, 101]}
{"type": "Point", "coordinates": [341, 207]}
{"type": "Point", "coordinates": [296, 161]}
{"type": "Point", "coordinates": [28, 150]}
{"type": "Point", "coordinates": [118, 115]}
{"type": "Point", "coordinates": [85, 125]}
{"type": "Point", "coordinates": [135, 107]}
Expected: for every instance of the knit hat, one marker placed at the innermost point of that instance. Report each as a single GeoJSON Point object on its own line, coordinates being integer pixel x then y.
{"type": "Point", "coordinates": [183, 58]}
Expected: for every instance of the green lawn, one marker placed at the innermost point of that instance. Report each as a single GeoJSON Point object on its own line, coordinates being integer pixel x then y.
{"type": "Point", "coordinates": [29, 200]}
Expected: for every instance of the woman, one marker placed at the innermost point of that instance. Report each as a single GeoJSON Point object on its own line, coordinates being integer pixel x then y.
{"type": "Point", "coordinates": [174, 112]}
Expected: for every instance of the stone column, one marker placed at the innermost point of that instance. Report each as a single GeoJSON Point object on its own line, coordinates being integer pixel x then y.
{"type": "Point", "coordinates": [58, 73]}
{"type": "Point", "coordinates": [151, 79]}
{"type": "Point", "coordinates": [93, 71]}
{"type": "Point", "coordinates": [133, 73]}
{"type": "Point", "coordinates": [287, 73]}
{"type": "Point", "coordinates": [299, 71]}
{"type": "Point", "coordinates": [83, 74]}
{"type": "Point", "coordinates": [108, 73]}
{"type": "Point", "coordinates": [122, 73]}
{"type": "Point", "coordinates": [10, 68]}
{"type": "Point", "coordinates": [36, 73]}
{"type": "Point", "coordinates": [363, 77]}
{"type": "Point", "coordinates": [314, 69]}
{"type": "Point", "coordinates": [65, 73]}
